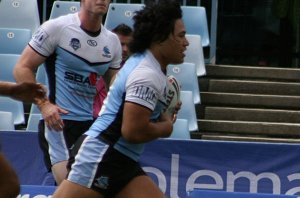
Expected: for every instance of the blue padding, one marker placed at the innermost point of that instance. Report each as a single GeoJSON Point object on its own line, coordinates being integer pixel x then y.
{"type": "Point", "coordinates": [37, 191]}
{"type": "Point", "coordinates": [23, 151]}
{"type": "Point", "coordinates": [179, 166]}
{"type": "Point", "coordinates": [223, 194]}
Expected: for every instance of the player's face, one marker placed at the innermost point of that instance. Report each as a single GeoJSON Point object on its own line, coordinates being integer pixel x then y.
{"type": "Point", "coordinates": [124, 43]}
{"type": "Point", "coordinates": [175, 45]}
{"type": "Point", "coordinates": [95, 6]}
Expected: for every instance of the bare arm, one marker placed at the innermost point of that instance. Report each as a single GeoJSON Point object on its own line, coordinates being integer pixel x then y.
{"type": "Point", "coordinates": [6, 88]}
{"type": "Point", "coordinates": [26, 92]}
{"type": "Point", "coordinates": [109, 77]}
{"type": "Point", "coordinates": [27, 65]}
{"type": "Point", "coordinates": [9, 182]}
{"type": "Point", "coordinates": [24, 71]}
{"type": "Point", "coordinates": [137, 127]}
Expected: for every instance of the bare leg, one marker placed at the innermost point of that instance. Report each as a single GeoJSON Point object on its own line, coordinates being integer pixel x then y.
{"type": "Point", "coordinates": [68, 189]}
{"type": "Point", "coordinates": [141, 187]}
{"type": "Point", "coordinates": [9, 182]}
{"type": "Point", "coordinates": [59, 171]}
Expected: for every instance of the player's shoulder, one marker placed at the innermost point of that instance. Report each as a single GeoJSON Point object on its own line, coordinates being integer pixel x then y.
{"type": "Point", "coordinates": [108, 33]}
{"type": "Point", "coordinates": [60, 22]}
{"type": "Point", "coordinates": [147, 68]}
{"type": "Point", "coordinates": [143, 74]}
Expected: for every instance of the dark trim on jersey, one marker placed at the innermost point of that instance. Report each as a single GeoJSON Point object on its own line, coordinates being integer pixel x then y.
{"type": "Point", "coordinates": [50, 71]}
{"type": "Point", "coordinates": [84, 60]}
{"type": "Point", "coordinates": [113, 131]}
{"type": "Point", "coordinates": [36, 51]}
{"type": "Point", "coordinates": [126, 148]}
{"type": "Point", "coordinates": [90, 33]}
{"type": "Point", "coordinates": [115, 68]}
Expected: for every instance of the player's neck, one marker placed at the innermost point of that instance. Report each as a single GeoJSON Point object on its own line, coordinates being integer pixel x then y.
{"type": "Point", "coordinates": [90, 22]}
{"type": "Point", "coordinates": [159, 57]}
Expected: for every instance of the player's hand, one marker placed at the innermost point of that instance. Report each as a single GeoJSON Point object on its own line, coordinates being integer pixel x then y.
{"type": "Point", "coordinates": [176, 110]}
{"type": "Point", "coordinates": [29, 92]}
{"type": "Point", "coordinates": [51, 114]}
{"type": "Point", "coordinates": [164, 117]}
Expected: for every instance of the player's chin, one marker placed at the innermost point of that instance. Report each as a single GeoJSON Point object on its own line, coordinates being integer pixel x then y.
{"type": "Point", "coordinates": [101, 11]}
{"type": "Point", "coordinates": [167, 134]}
{"type": "Point", "coordinates": [178, 61]}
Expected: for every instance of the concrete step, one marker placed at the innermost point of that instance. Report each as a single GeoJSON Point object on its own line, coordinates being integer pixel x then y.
{"type": "Point", "coordinates": [249, 103]}
{"type": "Point", "coordinates": [253, 114]}
{"type": "Point", "coordinates": [250, 100]}
{"type": "Point", "coordinates": [254, 87]}
{"type": "Point", "coordinates": [251, 72]}
{"type": "Point", "coordinates": [244, 128]}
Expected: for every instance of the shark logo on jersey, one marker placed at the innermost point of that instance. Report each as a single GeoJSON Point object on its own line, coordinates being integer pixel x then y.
{"type": "Point", "coordinates": [101, 182]}
{"type": "Point", "coordinates": [106, 52]}
{"type": "Point", "coordinates": [75, 43]}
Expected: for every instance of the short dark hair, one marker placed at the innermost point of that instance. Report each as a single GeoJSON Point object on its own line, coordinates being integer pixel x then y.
{"type": "Point", "coordinates": [122, 29]}
{"type": "Point", "coordinates": [154, 23]}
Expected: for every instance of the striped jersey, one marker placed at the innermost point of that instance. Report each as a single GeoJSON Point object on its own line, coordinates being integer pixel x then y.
{"type": "Point", "coordinates": [140, 81]}
{"type": "Point", "coordinates": [75, 61]}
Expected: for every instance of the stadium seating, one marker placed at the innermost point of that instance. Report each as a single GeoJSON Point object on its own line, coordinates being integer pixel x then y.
{"type": "Point", "coordinates": [60, 8]}
{"type": "Point", "coordinates": [7, 64]}
{"type": "Point", "coordinates": [194, 53]}
{"type": "Point", "coordinates": [185, 73]}
{"type": "Point", "coordinates": [188, 110]}
{"type": "Point", "coordinates": [181, 129]}
{"type": "Point", "coordinates": [41, 75]}
{"type": "Point", "coordinates": [120, 13]}
{"type": "Point", "coordinates": [194, 18]}
{"type": "Point", "coordinates": [33, 122]}
{"type": "Point", "coordinates": [15, 107]}
{"type": "Point", "coordinates": [13, 40]}
{"type": "Point", "coordinates": [19, 14]}
{"type": "Point", "coordinates": [34, 110]}
{"type": "Point", "coordinates": [6, 121]}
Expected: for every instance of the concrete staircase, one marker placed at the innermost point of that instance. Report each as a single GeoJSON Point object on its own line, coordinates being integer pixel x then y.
{"type": "Point", "coordinates": [249, 103]}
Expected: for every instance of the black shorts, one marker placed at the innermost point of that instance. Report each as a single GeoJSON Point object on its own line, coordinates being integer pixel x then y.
{"type": "Point", "coordinates": [108, 169]}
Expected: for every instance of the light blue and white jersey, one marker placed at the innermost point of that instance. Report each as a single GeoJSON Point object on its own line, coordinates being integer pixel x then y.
{"type": "Point", "coordinates": [140, 81]}
{"type": "Point", "coordinates": [75, 61]}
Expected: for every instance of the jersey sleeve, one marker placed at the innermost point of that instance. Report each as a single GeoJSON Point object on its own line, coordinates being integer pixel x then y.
{"type": "Point", "coordinates": [143, 88]}
{"type": "Point", "coordinates": [45, 39]}
{"type": "Point", "coordinates": [117, 58]}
